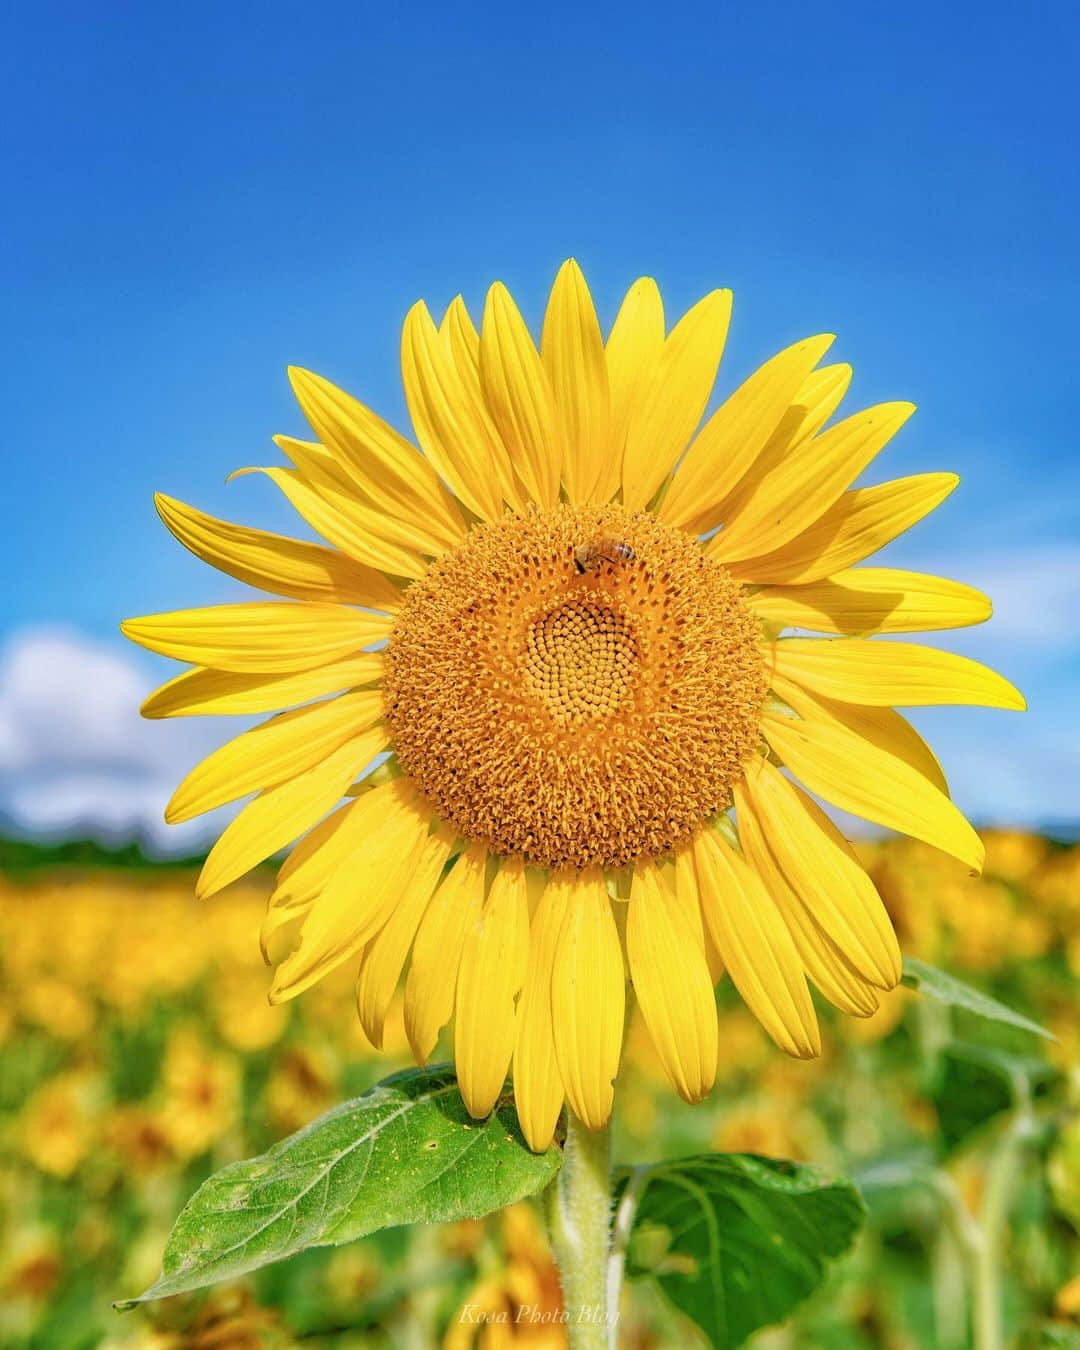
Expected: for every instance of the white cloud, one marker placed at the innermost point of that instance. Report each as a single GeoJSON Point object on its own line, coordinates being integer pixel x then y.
{"type": "Point", "coordinates": [1036, 592]}
{"type": "Point", "coordinates": [75, 756]}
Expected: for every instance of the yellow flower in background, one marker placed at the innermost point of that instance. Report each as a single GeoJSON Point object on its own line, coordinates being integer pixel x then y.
{"type": "Point", "coordinates": [58, 1008]}
{"type": "Point", "coordinates": [563, 620]}
{"type": "Point", "coordinates": [60, 1122]}
{"type": "Point", "coordinates": [201, 1093]}
{"type": "Point", "coordinates": [31, 1265]}
{"type": "Point", "coordinates": [140, 1138]}
{"type": "Point", "coordinates": [301, 1085]}
{"type": "Point", "coordinates": [757, 1127]}
{"type": "Point", "coordinates": [245, 1020]}
{"type": "Point", "coordinates": [518, 1304]}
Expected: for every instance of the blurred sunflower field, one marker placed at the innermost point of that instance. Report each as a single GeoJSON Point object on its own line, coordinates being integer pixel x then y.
{"type": "Point", "coordinates": [138, 1053]}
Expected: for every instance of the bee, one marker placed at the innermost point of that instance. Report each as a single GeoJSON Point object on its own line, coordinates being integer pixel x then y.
{"type": "Point", "coordinates": [602, 549]}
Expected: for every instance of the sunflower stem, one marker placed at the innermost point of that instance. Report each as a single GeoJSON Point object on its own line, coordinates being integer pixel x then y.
{"type": "Point", "coordinates": [579, 1225]}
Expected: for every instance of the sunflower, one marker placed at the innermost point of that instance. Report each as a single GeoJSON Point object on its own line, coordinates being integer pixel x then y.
{"type": "Point", "coordinates": [542, 731]}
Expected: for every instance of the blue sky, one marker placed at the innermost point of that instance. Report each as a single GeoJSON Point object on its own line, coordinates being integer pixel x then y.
{"type": "Point", "coordinates": [197, 196]}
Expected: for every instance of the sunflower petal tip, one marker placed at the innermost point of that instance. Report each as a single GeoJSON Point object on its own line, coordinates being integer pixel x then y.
{"type": "Point", "coordinates": [476, 1109]}
{"type": "Point", "coordinates": [208, 885]}
{"type": "Point", "coordinates": [538, 1142]}
{"type": "Point", "coordinates": [302, 380]}
{"type": "Point", "coordinates": [174, 811]}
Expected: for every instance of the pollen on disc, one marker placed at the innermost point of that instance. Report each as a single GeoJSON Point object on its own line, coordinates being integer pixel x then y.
{"type": "Point", "coordinates": [580, 686]}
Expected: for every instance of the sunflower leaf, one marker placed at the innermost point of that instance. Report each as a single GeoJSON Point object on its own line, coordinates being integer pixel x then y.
{"type": "Point", "coordinates": [405, 1152]}
{"type": "Point", "coordinates": [947, 988]}
{"type": "Point", "coordinates": [737, 1241]}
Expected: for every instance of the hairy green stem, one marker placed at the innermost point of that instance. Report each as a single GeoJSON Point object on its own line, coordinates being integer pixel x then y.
{"type": "Point", "coordinates": [579, 1223]}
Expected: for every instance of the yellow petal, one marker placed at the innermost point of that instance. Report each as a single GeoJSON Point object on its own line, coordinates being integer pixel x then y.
{"type": "Point", "coordinates": [686, 892]}
{"type": "Point", "coordinates": [518, 396]}
{"type": "Point", "coordinates": [823, 872]}
{"type": "Point", "coordinates": [280, 814]}
{"type": "Point", "coordinates": [263, 637]}
{"type": "Point", "coordinates": [572, 349]}
{"type": "Point", "coordinates": [311, 864]}
{"type": "Point", "coordinates": [757, 948]}
{"type": "Point", "coordinates": [433, 972]}
{"type": "Point", "coordinates": [736, 434]}
{"type": "Point", "coordinates": [883, 727]}
{"type": "Point", "coordinates": [538, 1086]}
{"type": "Point", "coordinates": [402, 527]}
{"type": "Point", "coordinates": [289, 567]}
{"type": "Point", "coordinates": [380, 968]}
{"type": "Point", "coordinates": [465, 344]}
{"type": "Point", "coordinates": [822, 961]}
{"type": "Point", "coordinates": [818, 397]}
{"type": "Point", "coordinates": [382, 463]}
{"type": "Point", "coordinates": [802, 487]}
{"type": "Point", "coordinates": [277, 932]}
{"type": "Point", "coordinates": [457, 435]}
{"type": "Point", "coordinates": [670, 406]}
{"type": "Point", "coordinates": [866, 600]}
{"type": "Point", "coordinates": [814, 402]}
{"type": "Point", "coordinates": [890, 674]}
{"type": "Point", "coordinates": [859, 777]}
{"type": "Point", "coordinates": [461, 340]}
{"type": "Point", "coordinates": [633, 353]}
{"type": "Point", "coordinates": [339, 528]}
{"type": "Point", "coordinates": [273, 752]}
{"type": "Point", "coordinates": [855, 526]}
{"type": "Point", "coordinates": [307, 870]}
{"type": "Point", "coordinates": [386, 829]}
{"type": "Point", "coordinates": [672, 983]}
{"type": "Point", "coordinates": [202, 692]}
{"type": "Point", "coordinates": [588, 1000]}
{"type": "Point", "coordinates": [493, 964]}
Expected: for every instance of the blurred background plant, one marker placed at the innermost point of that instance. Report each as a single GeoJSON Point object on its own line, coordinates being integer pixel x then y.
{"type": "Point", "coordinates": [138, 1053]}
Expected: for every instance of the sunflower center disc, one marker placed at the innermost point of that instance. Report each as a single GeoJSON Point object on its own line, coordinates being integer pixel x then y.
{"type": "Point", "coordinates": [580, 686]}
{"type": "Point", "coordinates": [580, 658]}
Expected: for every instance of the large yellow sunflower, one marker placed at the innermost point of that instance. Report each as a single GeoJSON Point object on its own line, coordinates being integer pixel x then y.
{"type": "Point", "coordinates": [562, 617]}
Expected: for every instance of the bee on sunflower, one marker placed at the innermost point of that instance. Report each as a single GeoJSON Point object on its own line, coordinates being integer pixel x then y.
{"type": "Point", "coordinates": [562, 616]}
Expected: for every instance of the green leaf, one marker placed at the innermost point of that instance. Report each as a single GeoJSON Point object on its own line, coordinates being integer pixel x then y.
{"type": "Point", "coordinates": [975, 1083]}
{"type": "Point", "coordinates": [967, 1094]}
{"type": "Point", "coordinates": [948, 989]}
{"type": "Point", "coordinates": [737, 1241]}
{"type": "Point", "coordinates": [405, 1152]}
